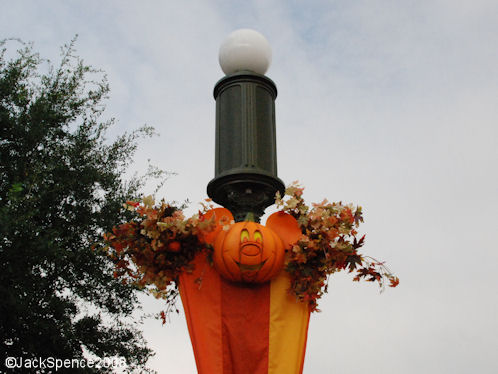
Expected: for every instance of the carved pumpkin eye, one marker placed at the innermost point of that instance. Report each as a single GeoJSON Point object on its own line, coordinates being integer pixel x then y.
{"type": "Point", "coordinates": [244, 236]}
{"type": "Point", "coordinates": [258, 237]}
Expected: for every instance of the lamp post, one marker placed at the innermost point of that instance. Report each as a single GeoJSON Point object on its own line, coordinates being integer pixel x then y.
{"type": "Point", "coordinates": [246, 178]}
{"type": "Point", "coordinates": [242, 320]}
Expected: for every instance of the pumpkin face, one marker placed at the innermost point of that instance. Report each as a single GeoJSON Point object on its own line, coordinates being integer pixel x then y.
{"type": "Point", "coordinates": [248, 252]}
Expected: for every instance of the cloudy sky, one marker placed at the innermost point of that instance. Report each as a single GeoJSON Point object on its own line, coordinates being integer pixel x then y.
{"type": "Point", "coordinates": [392, 105]}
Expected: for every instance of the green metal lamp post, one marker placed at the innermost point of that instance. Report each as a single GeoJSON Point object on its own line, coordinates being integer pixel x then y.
{"type": "Point", "coordinates": [246, 178]}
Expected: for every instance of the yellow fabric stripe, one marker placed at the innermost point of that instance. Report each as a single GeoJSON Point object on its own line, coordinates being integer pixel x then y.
{"type": "Point", "coordinates": [288, 329]}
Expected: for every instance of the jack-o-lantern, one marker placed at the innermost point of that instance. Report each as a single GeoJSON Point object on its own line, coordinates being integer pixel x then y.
{"type": "Point", "coordinates": [248, 252]}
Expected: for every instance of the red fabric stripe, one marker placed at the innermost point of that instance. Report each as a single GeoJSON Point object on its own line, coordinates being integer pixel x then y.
{"type": "Point", "coordinates": [245, 327]}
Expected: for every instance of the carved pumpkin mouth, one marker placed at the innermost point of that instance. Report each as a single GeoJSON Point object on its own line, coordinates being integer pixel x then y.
{"type": "Point", "coordinates": [250, 248]}
{"type": "Point", "coordinates": [246, 268]}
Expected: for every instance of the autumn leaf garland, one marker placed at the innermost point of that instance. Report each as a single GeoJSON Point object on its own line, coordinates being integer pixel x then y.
{"type": "Point", "coordinates": [152, 250]}
{"type": "Point", "coordinates": [328, 244]}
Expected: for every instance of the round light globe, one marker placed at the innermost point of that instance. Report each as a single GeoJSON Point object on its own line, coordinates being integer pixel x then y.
{"type": "Point", "coordinates": [245, 49]}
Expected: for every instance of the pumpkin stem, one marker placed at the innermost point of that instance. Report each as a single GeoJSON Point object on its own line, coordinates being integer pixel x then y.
{"type": "Point", "coordinates": [250, 217]}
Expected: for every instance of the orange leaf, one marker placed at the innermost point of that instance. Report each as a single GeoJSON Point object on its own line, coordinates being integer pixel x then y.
{"type": "Point", "coordinates": [174, 246]}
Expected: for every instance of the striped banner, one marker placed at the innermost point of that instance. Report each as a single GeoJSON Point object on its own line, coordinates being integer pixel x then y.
{"type": "Point", "coordinates": [243, 328]}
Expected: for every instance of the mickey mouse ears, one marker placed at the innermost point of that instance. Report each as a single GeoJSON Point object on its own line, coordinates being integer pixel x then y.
{"type": "Point", "coordinates": [286, 227]}
{"type": "Point", "coordinates": [221, 216]}
{"type": "Point", "coordinates": [283, 224]}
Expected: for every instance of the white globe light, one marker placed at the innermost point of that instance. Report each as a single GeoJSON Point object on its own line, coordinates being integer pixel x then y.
{"type": "Point", "coordinates": [245, 49]}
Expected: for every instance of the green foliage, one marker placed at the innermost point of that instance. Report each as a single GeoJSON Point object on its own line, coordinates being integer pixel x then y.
{"type": "Point", "coordinates": [61, 188]}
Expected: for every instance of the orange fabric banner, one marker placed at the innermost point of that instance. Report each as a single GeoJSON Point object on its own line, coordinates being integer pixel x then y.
{"type": "Point", "coordinates": [202, 304]}
{"type": "Point", "coordinates": [243, 328]}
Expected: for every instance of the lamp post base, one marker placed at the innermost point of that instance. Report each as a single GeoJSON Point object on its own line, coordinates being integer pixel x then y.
{"type": "Point", "coordinates": [245, 193]}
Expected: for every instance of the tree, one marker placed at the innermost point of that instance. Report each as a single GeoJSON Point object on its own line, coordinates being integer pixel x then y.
{"type": "Point", "coordinates": [61, 188]}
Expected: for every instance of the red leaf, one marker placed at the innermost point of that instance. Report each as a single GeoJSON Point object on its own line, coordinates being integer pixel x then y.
{"type": "Point", "coordinates": [394, 281]}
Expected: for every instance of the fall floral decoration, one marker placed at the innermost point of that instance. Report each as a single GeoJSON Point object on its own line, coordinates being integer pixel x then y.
{"type": "Point", "coordinates": [328, 244]}
{"type": "Point", "coordinates": [159, 243]}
